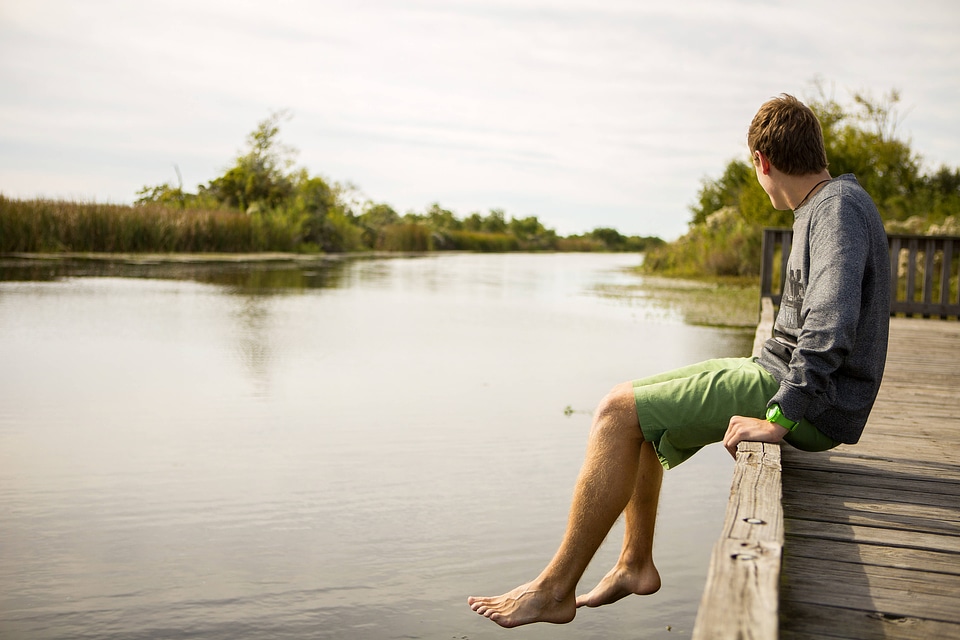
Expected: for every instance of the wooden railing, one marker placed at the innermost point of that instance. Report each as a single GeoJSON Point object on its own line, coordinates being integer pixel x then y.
{"type": "Point", "coordinates": [773, 263]}
{"type": "Point", "coordinates": [926, 268]}
{"type": "Point", "coordinates": [924, 272]}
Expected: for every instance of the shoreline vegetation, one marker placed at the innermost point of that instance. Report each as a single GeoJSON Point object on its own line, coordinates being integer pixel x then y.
{"type": "Point", "coordinates": [263, 205]}
{"type": "Point", "coordinates": [730, 212]}
{"type": "Point", "coordinates": [58, 226]}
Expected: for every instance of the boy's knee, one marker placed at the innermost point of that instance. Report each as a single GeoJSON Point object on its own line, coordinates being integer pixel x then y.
{"type": "Point", "coordinates": [619, 405]}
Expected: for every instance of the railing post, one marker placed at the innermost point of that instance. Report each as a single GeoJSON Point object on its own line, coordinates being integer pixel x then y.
{"type": "Point", "coordinates": [895, 243]}
{"type": "Point", "coordinates": [946, 270]}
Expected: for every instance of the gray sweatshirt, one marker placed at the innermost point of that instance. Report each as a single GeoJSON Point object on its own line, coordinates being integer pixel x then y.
{"type": "Point", "coordinates": [830, 337]}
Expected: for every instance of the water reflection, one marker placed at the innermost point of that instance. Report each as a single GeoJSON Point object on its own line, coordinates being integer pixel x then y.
{"type": "Point", "coordinates": [253, 340]}
{"type": "Point", "coordinates": [254, 277]}
{"type": "Point", "coordinates": [336, 449]}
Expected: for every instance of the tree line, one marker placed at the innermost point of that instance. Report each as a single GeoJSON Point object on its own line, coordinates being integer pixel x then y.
{"type": "Point", "coordinates": [264, 183]}
{"type": "Point", "coordinates": [861, 137]}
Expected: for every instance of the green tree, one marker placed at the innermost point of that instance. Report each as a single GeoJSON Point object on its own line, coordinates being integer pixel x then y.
{"type": "Point", "coordinates": [863, 140]}
{"type": "Point", "coordinates": [473, 222]}
{"type": "Point", "coordinates": [494, 222]}
{"type": "Point", "coordinates": [860, 138]}
{"type": "Point", "coordinates": [165, 194]}
{"type": "Point", "coordinates": [531, 233]}
{"type": "Point", "coordinates": [312, 194]}
{"type": "Point", "coordinates": [528, 228]}
{"type": "Point", "coordinates": [941, 195]}
{"type": "Point", "coordinates": [721, 192]}
{"type": "Point", "coordinates": [441, 219]}
{"type": "Point", "coordinates": [310, 204]}
{"type": "Point", "coordinates": [259, 178]}
{"type": "Point", "coordinates": [374, 221]}
{"type": "Point", "coordinates": [612, 239]}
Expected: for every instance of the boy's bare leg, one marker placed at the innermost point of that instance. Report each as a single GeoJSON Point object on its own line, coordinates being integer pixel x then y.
{"type": "Point", "coordinates": [634, 573]}
{"type": "Point", "coordinates": [603, 489]}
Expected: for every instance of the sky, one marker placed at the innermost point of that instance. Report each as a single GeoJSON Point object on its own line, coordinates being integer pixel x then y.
{"type": "Point", "coordinates": [584, 113]}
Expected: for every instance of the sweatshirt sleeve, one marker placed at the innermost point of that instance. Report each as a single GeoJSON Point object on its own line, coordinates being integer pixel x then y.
{"type": "Point", "coordinates": [829, 314]}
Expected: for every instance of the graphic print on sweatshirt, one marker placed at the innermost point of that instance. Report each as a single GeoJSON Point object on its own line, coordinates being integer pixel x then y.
{"type": "Point", "coordinates": [792, 301]}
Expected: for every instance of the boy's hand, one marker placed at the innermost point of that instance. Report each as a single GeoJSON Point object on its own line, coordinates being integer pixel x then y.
{"type": "Point", "coordinates": [743, 429]}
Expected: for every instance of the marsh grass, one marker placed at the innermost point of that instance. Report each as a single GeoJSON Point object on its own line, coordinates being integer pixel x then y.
{"type": "Point", "coordinates": [37, 226]}
{"type": "Point", "coordinates": [57, 226]}
{"type": "Point", "coordinates": [482, 241]}
{"type": "Point", "coordinates": [405, 237]}
{"type": "Point", "coordinates": [725, 247]}
{"type": "Point", "coordinates": [717, 302]}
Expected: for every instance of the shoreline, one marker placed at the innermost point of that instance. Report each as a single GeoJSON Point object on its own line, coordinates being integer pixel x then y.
{"type": "Point", "coordinates": [204, 258]}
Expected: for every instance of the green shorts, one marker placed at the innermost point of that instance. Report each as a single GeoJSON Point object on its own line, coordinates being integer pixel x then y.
{"type": "Point", "coordinates": [682, 410]}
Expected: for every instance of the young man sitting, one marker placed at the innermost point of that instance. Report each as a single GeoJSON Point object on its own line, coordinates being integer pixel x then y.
{"type": "Point", "coordinates": [813, 386]}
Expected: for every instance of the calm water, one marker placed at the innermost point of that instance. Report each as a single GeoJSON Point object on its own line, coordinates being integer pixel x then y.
{"type": "Point", "coordinates": [343, 450]}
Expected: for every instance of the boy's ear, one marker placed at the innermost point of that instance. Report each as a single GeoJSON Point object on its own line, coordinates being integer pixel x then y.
{"type": "Point", "coordinates": [762, 162]}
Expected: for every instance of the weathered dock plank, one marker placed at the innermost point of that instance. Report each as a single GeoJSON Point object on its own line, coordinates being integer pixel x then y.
{"type": "Point", "coordinates": [861, 535]}
{"type": "Point", "coordinates": [823, 621]}
{"type": "Point", "coordinates": [872, 531]}
{"type": "Point", "coordinates": [890, 592]}
{"type": "Point", "coordinates": [740, 599]}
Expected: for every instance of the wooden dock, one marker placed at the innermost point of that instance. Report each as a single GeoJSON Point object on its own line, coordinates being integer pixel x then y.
{"type": "Point", "coordinates": [862, 541]}
{"type": "Point", "coordinates": [872, 531]}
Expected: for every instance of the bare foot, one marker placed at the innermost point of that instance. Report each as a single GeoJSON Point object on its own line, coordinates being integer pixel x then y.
{"type": "Point", "coordinates": [622, 581]}
{"type": "Point", "coordinates": [524, 605]}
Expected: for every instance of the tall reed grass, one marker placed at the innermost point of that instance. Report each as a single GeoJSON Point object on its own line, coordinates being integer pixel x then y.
{"type": "Point", "coordinates": [481, 241]}
{"type": "Point", "coordinates": [28, 226]}
{"type": "Point", "coordinates": [52, 226]}
{"type": "Point", "coordinates": [405, 237]}
{"type": "Point", "coordinates": [725, 245]}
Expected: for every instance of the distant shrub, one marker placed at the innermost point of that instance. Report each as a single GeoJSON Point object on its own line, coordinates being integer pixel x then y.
{"type": "Point", "coordinates": [410, 236]}
{"type": "Point", "coordinates": [580, 243]}
{"type": "Point", "coordinates": [480, 241]}
{"type": "Point", "coordinates": [724, 245]}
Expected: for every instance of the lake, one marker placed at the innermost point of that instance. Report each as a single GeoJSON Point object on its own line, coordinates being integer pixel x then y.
{"type": "Point", "coordinates": [324, 449]}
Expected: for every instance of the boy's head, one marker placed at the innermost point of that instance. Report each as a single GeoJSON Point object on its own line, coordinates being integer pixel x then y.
{"type": "Point", "coordinates": [788, 133]}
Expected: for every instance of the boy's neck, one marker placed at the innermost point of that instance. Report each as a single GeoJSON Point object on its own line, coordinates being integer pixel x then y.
{"type": "Point", "coordinates": [800, 189]}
